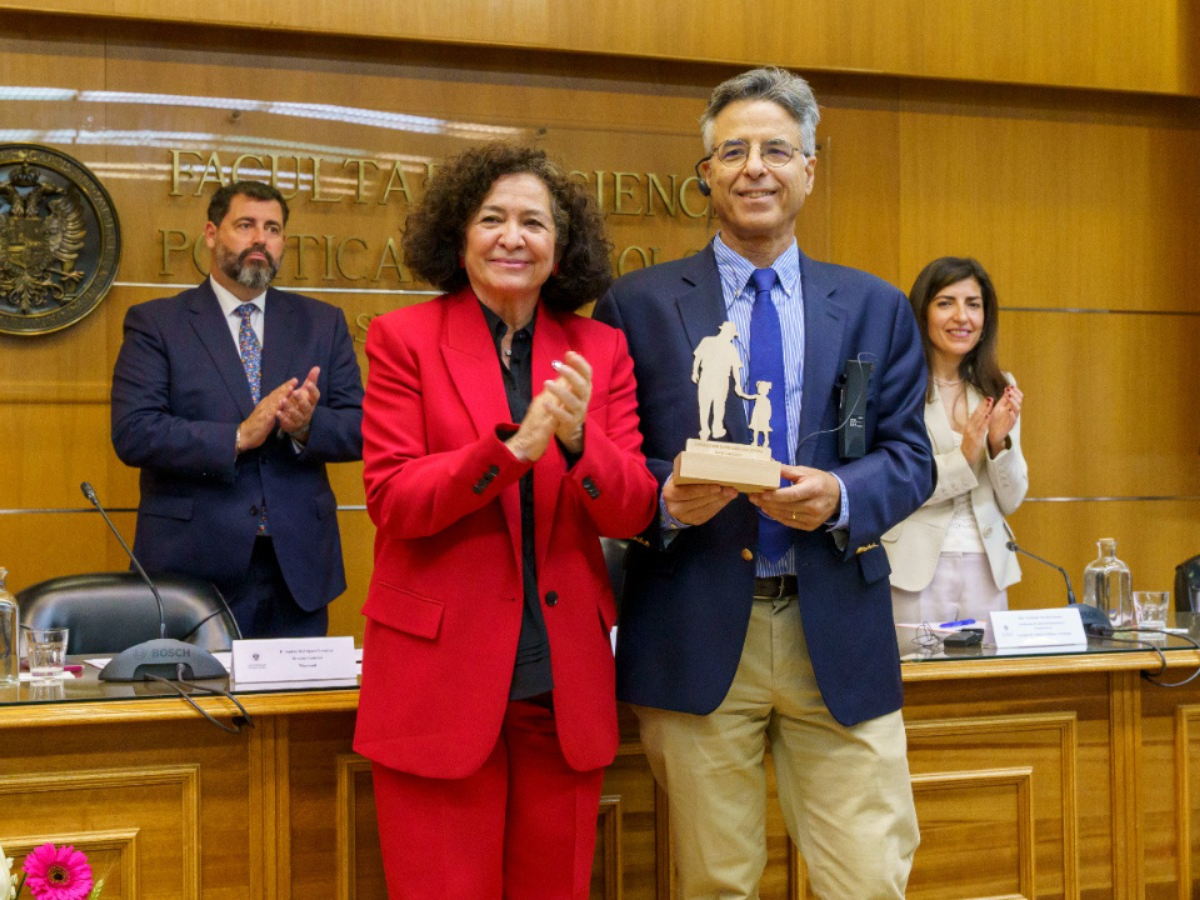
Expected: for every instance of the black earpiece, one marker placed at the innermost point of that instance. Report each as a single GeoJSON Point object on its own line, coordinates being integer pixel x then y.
{"type": "Point", "coordinates": [701, 184]}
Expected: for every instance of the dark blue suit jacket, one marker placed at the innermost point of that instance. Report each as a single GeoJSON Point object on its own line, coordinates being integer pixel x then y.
{"type": "Point", "coordinates": [686, 608]}
{"type": "Point", "coordinates": [179, 393]}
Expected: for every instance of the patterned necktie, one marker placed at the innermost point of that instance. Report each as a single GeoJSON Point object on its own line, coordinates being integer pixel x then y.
{"type": "Point", "coordinates": [766, 364]}
{"type": "Point", "coordinates": [251, 352]}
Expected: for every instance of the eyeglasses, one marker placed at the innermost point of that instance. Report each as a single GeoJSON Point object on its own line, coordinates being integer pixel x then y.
{"type": "Point", "coordinates": [774, 153]}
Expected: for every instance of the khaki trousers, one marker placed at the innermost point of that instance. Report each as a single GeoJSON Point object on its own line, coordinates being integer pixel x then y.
{"type": "Point", "coordinates": [845, 791]}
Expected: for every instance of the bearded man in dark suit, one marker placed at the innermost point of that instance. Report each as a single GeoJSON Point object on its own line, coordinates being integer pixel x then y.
{"type": "Point", "coordinates": [231, 398]}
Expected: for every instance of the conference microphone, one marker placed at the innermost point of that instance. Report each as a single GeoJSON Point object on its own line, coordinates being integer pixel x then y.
{"type": "Point", "coordinates": [1094, 622]}
{"type": "Point", "coordinates": [163, 657]}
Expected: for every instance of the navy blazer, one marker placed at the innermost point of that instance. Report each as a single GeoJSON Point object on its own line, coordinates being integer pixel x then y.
{"type": "Point", "coordinates": [179, 394]}
{"type": "Point", "coordinates": [686, 607]}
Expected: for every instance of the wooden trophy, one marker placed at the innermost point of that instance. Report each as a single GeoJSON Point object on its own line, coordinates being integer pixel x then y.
{"type": "Point", "coordinates": [708, 460]}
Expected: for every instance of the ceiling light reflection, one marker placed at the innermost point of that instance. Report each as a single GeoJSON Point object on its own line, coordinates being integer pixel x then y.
{"type": "Point", "coordinates": [352, 115]}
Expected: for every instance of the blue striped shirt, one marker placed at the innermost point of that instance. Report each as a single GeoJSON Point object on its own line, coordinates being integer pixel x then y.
{"type": "Point", "coordinates": [735, 272]}
{"type": "Point", "coordinates": [788, 297]}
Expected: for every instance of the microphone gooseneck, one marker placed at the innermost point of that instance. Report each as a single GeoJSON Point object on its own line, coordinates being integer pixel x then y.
{"type": "Point", "coordinates": [1012, 545]}
{"type": "Point", "coordinates": [162, 657]}
{"type": "Point", "coordinates": [90, 493]}
{"type": "Point", "coordinates": [1094, 621]}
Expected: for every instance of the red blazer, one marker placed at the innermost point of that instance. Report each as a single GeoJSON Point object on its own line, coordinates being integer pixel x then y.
{"type": "Point", "coordinates": [445, 603]}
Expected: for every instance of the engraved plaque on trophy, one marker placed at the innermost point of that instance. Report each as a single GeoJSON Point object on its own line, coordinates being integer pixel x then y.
{"type": "Point", "coordinates": [709, 460]}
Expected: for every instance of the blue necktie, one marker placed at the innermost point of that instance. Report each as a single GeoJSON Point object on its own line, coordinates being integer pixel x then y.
{"type": "Point", "coordinates": [766, 364]}
{"type": "Point", "coordinates": [251, 352]}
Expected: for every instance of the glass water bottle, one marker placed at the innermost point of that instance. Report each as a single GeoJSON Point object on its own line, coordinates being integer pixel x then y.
{"type": "Point", "coordinates": [10, 660]}
{"type": "Point", "coordinates": [1108, 586]}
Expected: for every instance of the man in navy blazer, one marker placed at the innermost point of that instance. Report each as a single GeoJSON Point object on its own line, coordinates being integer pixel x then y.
{"type": "Point", "coordinates": [725, 646]}
{"type": "Point", "coordinates": [231, 398]}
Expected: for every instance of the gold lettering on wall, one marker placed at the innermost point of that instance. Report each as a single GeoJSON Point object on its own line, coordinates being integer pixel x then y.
{"type": "Point", "coordinates": [341, 265]}
{"type": "Point", "coordinates": [302, 253]}
{"type": "Point", "coordinates": [360, 187]}
{"type": "Point", "coordinates": [397, 181]}
{"type": "Point", "coordinates": [168, 247]}
{"type": "Point", "coordinates": [233, 170]}
{"type": "Point", "coordinates": [647, 259]}
{"type": "Point", "coordinates": [375, 258]}
{"type": "Point", "coordinates": [391, 260]}
{"type": "Point", "coordinates": [175, 169]}
{"type": "Point", "coordinates": [316, 183]}
{"type": "Point", "coordinates": [200, 256]}
{"type": "Point", "coordinates": [621, 193]}
{"type": "Point", "coordinates": [218, 177]}
{"type": "Point", "coordinates": [693, 180]}
{"type": "Point", "coordinates": [666, 196]}
{"type": "Point", "coordinates": [275, 177]}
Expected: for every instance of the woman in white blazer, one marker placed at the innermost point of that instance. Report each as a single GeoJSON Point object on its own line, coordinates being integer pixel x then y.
{"type": "Point", "coordinates": [949, 559]}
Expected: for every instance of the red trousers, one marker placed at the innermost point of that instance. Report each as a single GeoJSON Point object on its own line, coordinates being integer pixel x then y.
{"type": "Point", "coordinates": [523, 827]}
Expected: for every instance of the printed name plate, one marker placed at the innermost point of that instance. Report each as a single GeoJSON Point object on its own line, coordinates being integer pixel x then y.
{"type": "Point", "coordinates": [294, 659]}
{"type": "Point", "coordinates": [1033, 628]}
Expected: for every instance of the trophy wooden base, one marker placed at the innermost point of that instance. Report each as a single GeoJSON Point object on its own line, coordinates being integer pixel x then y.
{"type": "Point", "coordinates": [749, 469]}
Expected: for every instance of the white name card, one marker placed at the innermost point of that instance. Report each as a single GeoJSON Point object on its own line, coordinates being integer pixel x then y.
{"type": "Point", "coordinates": [294, 659]}
{"type": "Point", "coordinates": [1033, 628]}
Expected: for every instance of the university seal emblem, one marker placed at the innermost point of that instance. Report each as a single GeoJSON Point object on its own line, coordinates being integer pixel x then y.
{"type": "Point", "coordinates": [60, 241]}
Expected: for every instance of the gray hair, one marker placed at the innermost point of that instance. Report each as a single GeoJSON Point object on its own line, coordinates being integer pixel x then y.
{"type": "Point", "coordinates": [775, 85]}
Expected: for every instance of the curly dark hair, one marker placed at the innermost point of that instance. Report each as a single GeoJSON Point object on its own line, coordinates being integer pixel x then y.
{"type": "Point", "coordinates": [435, 231]}
{"type": "Point", "coordinates": [979, 368]}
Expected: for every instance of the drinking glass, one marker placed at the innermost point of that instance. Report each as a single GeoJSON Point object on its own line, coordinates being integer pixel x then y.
{"type": "Point", "coordinates": [47, 652]}
{"type": "Point", "coordinates": [1151, 608]}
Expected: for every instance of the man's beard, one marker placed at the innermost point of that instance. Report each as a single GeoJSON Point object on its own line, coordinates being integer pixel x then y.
{"type": "Point", "coordinates": [255, 275]}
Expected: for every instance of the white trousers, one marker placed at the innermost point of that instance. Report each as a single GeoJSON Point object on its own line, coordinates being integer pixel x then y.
{"type": "Point", "coordinates": [962, 588]}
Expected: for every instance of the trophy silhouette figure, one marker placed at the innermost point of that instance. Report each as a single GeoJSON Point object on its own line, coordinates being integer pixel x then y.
{"type": "Point", "coordinates": [709, 460]}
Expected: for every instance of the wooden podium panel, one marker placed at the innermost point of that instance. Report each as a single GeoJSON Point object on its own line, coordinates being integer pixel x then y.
{"type": "Point", "coordinates": [1055, 777]}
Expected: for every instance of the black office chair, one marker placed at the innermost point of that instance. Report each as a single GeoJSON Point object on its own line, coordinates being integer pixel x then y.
{"type": "Point", "coordinates": [1187, 582]}
{"type": "Point", "coordinates": [614, 558]}
{"type": "Point", "coordinates": [108, 612]}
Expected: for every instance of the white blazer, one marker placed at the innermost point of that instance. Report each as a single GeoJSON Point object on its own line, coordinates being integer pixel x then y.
{"type": "Point", "coordinates": [997, 487]}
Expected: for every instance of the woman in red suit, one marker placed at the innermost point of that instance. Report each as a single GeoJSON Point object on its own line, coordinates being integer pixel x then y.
{"type": "Point", "coordinates": [500, 442]}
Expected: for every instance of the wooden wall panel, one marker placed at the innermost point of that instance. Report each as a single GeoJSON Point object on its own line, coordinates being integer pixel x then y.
{"type": "Point", "coordinates": [1057, 730]}
{"type": "Point", "coordinates": [1149, 46]}
{"type": "Point", "coordinates": [642, 844]}
{"type": "Point", "coordinates": [1065, 210]}
{"type": "Point", "coordinates": [1187, 798]}
{"type": "Point", "coordinates": [119, 780]}
{"type": "Point", "coordinates": [1152, 538]}
{"type": "Point", "coordinates": [1071, 199]}
{"type": "Point", "coordinates": [1032, 778]}
{"type": "Point", "coordinates": [996, 801]}
{"type": "Point", "coordinates": [1105, 413]}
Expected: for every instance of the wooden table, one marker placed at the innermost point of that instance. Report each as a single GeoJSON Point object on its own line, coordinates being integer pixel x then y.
{"type": "Point", "coordinates": [1065, 776]}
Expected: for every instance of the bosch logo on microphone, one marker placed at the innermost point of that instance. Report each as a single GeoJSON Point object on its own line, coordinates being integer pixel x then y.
{"type": "Point", "coordinates": [170, 652]}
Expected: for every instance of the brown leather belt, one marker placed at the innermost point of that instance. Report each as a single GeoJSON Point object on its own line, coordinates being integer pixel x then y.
{"type": "Point", "coordinates": [775, 588]}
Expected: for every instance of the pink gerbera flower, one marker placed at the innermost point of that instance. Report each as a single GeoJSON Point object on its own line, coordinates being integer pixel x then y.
{"type": "Point", "coordinates": [58, 873]}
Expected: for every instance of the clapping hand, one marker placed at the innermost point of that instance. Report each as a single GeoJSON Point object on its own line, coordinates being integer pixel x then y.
{"type": "Point", "coordinates": [558, 410]}
{"type": "Point", "coordinates": [975, 431]}
{"type": "Point", "coordinates": [296, 411]}
{"type": "Point", "coordinates": [1003, 419]}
